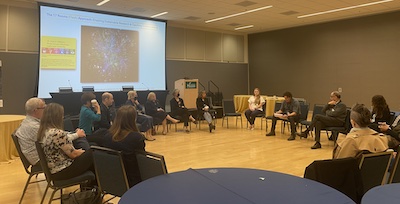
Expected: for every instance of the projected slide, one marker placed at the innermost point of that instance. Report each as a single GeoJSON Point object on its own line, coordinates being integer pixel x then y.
{"type": "Point", "coordinates": [107, 51]}
{"type": "Point", "coordinates": [109, 55]}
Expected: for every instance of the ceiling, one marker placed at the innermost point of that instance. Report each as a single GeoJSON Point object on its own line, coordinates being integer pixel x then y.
{"type": "Point", "coordinates": [194, 13]}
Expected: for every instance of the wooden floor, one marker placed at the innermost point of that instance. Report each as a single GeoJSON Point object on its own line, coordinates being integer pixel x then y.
{"type": "Point", "coordinates": [233, 147]}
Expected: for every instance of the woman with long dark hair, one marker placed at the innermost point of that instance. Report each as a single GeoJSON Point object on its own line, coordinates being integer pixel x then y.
{"type": "Point", "coordinates": [124, 136]}
{"type": "Point", "coordinates": [380, 112]}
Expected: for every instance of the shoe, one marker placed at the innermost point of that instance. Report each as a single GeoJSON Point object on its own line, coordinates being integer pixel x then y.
{"type": "Point", "coordinates": [164, 133]}
{"type": "Point", "coordinates": [292, 137]}
{"type": "Point", "coordinates": [210, 127]}
{"type": "Point", "coordinates": [303, 134]}
{"type": "Point", "coordinates": [317, 145]}
{"type": "Point", "coordinates": [213, 127]}
{"type": "Point", "coordinates": [195, 122]}
{"type": "Point", "coordinates": [149, 138]}
{"type": "Point", "coordinates": [330, 138]}
{"type": "Point", "coordinates": [187, 131]}
{"type": "Point", "coordinates": [272, 133]}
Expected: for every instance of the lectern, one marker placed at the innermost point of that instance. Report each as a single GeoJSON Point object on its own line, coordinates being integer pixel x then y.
{"type": "Point", "coordinates": [189, 91]}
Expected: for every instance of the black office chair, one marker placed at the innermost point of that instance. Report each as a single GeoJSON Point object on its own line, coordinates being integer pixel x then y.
{"type": "Point", "coordinates": [317, 110]}
{"type": "Point", "coordinates": [150, 164]}
{"type": "Point", "coordinates": [343, 129]}
{"type": "Point", "coordinates": [59, 184]}
{"type": "Point", "coordinates": [229, 111]}
{"type": "Point", "coordinates": [110, 171]}
{"type": "Point", "coordinates": [31, 170]}
{"type": "Point", "coordinates": [374, 167]}
{"type": "Point", "coordinates": [395, 171]}
{"type": "Point", "coordinates": [340, 174]}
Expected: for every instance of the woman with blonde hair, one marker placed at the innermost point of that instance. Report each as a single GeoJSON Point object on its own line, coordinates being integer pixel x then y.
{"type": "Point", "coordinates": [63, 160]}
{"type": "Point", "coordinates": [124, 136]}
{"type": "Point", "coordinates": [154, 109]}
{"type": "Point", "coordinates": [256, 103]}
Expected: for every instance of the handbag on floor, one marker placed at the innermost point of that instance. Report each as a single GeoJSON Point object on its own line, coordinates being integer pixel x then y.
{"type": "Point", "coordinates": [85, 196]}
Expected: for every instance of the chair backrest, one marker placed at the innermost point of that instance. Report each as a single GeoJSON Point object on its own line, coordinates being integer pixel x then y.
{"type": "Point", "coordinates": [43, 162]}
{"type": "Point", "coordinates": [373, 168]}
{"type": "Point", "coordinates": [228, 106]}
{"type": "Point", "coordinates": [318, 109]}
{"type": "Point", "coordinates": [340, 174]}
{"type": "Point", "coordinates": [395, 171]}
{"type": "Point", "coordinates": [25, 161]}
{"type": "Point", "coordinates": [347, 123]}
{"type": "Point", "coordinates": [150, 164]}
{"type": "Point", "coordinates": [110, 171]}
{"type": "Point", "coordinates": [392, 117]}
{"type": "Point", "coordinates": [304, 112]}
{"type": "Point", "coordinates": [68, 126]}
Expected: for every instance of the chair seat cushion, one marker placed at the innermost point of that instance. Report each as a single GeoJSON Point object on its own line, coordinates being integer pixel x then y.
{"type": "Point", "coordinates": [76, 180]}
{"type": "Point", "coordinates": [233, 114]}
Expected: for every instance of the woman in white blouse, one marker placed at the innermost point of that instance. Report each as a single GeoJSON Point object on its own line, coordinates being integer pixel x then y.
{"type": "Point", "coordinates": [256, 103]}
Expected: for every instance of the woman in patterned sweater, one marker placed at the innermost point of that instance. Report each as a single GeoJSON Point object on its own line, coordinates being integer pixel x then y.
{"type": "Point", "coordinates": [63, 160]}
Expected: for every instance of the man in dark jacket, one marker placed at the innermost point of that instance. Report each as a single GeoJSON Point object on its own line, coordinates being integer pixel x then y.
{"type": "Point", "coordinates": [334, 115]}
{"type": "Point", "coordinates": [107, 100]}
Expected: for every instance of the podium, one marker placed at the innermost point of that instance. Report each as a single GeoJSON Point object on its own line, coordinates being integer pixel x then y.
{"type": "Point", "coordinates": [189, 91]}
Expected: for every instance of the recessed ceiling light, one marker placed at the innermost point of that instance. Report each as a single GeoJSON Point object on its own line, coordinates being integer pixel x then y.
{"type": "Point", "coordinates": [343, 9]}
{"type": "Point", "coordinates": [157, 15]}
{"type": "Point", "coordinates": [237, 14]}
{"type": "Point", "coordinates": [244, 27]}
{"type": "Point", "coordinates": [102, 2]}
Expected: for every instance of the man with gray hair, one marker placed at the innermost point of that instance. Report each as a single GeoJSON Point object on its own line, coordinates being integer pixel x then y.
{"type": "Point", "coordinates": [27, 132]}
{"type": "Point", "coordinates": [334, 115]}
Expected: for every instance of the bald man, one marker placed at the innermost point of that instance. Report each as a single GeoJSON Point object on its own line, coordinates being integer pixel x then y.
{"type": "Point", "coordinates": [107, 100]}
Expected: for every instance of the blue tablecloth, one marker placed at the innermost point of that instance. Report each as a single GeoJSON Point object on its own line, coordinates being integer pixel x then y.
{"type": "Point", "coordinates": [231, 185]}
{"type": "Point", "coordinates": [389, 193]}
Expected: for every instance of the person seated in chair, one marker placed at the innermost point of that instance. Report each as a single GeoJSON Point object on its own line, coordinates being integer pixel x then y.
{"type": "Point", "coordinates": [290, 110]}
{"type": "Point", "coordinates": [64, 161]}
{"type": "Point", "coordinates": [159, 115]}
{"type": "Point", "coordinates": [124, 136]}
{"type": "Point", "coordinates": [256, 103]}
{"type": "Point", "coordinates": [360, 138]}
{"type": "Point", "coordinates": [204, 107]}
{"type": "Point", "coordinates": [27, 131]}
{"type": "Point", "coordinates": [380, 112]}
{"type": "Point", "coordinates": [107, 100]}
{"type": "Point", "coordinates": [393, 131]}
{"type": "Point", "coordinates": [334, 115]}
{"type": "Point", "coordinates": [145, 121]}
{"type": "Point", "coordinates": [178, 110]}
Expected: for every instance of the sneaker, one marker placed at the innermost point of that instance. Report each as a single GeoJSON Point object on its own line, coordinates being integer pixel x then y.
{"type": "Point", "coordinates": [317, 145]}
{"type": "Point", "coordinates": [272, 133]}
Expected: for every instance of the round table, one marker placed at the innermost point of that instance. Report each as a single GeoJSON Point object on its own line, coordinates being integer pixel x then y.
{"type": "Point", "coordinates": [8, 124]}
{"type": "Point", "coordinates": [233, 186]}
{"type": "Point", "coordinates": [382, 194]}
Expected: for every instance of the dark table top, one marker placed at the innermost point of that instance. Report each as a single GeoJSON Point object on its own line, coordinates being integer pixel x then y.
{"type": "Point", "coordinates": [389, 193]}
{"type": "Point", "coordinates": [232, 185]}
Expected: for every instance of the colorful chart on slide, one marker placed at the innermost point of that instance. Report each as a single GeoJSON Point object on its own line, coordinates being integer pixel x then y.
{"type": "Point", "coordinates": [58, 53]}
{"type": "Point", "coordinates": [109, 55]}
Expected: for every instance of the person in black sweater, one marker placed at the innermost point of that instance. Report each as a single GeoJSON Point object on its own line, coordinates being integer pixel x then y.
{"type": "Point", "coordinates": [145, 121]}
{"type": "Point", "coordinates": [124, 136]}
{"type": "Point", "coordinates": [107, 100]}
{"type": "Point", "coordinates": [154, 109]}
{"type": "Point", "coordinates": [380, 112]}
{"type": "Point", "coordinates": [204, 107]}
{"type": "Point", "coordinates": [178, 110]}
